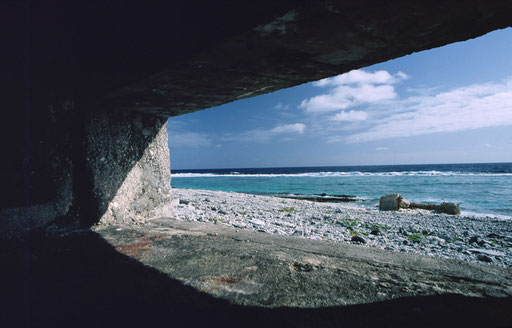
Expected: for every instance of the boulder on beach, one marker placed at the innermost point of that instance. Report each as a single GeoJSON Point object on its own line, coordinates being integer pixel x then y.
{"type": "Point", "coordinates": [394, 202]}
{"type": "Point", "coordinates": [390, 202]}
{"type": "Point", "coordinates": [449, 208]}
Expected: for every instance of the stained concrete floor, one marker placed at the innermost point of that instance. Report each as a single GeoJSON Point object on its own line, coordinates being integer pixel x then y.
{"type": "Point", "coordinates": [180, 274]}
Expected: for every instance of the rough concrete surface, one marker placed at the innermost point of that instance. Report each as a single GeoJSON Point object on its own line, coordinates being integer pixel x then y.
{"type": "Point", "coordinates": [129, 163]}
{"type": "Point", "coordinates": [94, 167]}
{"type": "Point", "coordinates": [252, 268]}
{"type": "Point", "coordinates": [309, 41]}
{"type": "Point", "coordinates": [260, 270]}
{"type": "Point", "coordinates": [175, 274]}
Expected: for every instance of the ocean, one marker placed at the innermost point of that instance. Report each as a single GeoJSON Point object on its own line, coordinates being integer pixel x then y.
{"type": "Point", "coordinates": [483, 189]}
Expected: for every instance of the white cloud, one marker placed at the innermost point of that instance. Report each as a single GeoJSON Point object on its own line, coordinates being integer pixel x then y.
{"type": "Point", "coordinates": [351, 89]}
{"type": "Point", "coordinates": [280, 106]}
{"type": "Point", "coordinates": [188, 139]}
{"type": "Point", "coordinates": [361, 77]}
{"type": "Point", "coordinates": [471, 107]}
{"type": "Point", "coordinates": [381, 148]}
{"type": "Point", "coordinates": [492, 146]}
{"type": "Point", "coordinates": [334, 139]}
{"type": "Point", "coordinates": [351, 115]}
{"type": "Point", "coordinates": [402, 75]}
{"type": "Point", "coordinates": [264, 135]}
{"type": "Point", "coordinates": [289, 128]}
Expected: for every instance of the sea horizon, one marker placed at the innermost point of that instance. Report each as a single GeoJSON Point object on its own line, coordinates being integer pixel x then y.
{"type": "Point", "coordinates": [328, 166]}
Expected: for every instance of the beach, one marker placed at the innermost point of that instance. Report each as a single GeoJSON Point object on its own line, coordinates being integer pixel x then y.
{"type": "Point", "coordinates": [477, 239]}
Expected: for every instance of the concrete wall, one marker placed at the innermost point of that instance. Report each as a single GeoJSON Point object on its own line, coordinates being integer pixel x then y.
{"type": "Point", "coordinates": [127, 158]}
{"type": "Point", "coordinates": [85, 168]}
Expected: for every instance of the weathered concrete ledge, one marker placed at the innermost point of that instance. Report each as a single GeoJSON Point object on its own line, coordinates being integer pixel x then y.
{"type": "Point", "coordinates": [171, 273]}
{"type": "Point", "coordinates": [258, 269]}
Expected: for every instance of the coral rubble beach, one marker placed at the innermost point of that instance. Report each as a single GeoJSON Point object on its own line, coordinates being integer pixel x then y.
{"type": "Point", "coordinates": [477, 239]}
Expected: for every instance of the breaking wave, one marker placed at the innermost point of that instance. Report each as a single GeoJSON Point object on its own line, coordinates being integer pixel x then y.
{"type": "Point", "coordinates": [338, 174]}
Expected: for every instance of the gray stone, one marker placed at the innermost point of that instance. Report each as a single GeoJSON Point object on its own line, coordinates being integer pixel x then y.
{"type": "Point", "coordinates": [476, 240]}
{"type": "Point", "coordinates": [404, 203]}
{"type": "Point", "coordinates": [484, 258]}
{"type": "Point", "coordinates": [450, 208]}
{"type": "Point", "coordinates": [390, 202]}
{"type": "Point", "coordinates": [358, 239]}
{"type": "Point", "coordinates": [486, 252]}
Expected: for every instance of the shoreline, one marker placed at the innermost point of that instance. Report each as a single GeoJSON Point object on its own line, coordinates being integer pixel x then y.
{"type": "Point", "coordinates": [476, 239]}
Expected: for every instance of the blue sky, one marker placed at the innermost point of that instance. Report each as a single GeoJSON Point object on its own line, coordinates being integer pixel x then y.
{"type": "Point", "coordinates": [446, 105]}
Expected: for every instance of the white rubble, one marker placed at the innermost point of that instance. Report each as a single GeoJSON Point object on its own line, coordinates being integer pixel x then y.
{"type": "Point", "coordinates": [417, 231]}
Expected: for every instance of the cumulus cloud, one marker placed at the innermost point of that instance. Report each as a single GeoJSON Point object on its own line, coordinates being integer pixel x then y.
{"type": "Point", "coordinates": [361, 77]}
{"type": "Point", "coordinates": [351, 115]}
{"type": "Point", "coordinates": [280, 106]}
{"type": "Point", "coordinates": [471, 107]}
{"type": "Point", "coordinates": [289, 128]}
{"type": "Point", "coordinates": [264, 135]}
{"type": "Point", "coordinates": [352, 89]}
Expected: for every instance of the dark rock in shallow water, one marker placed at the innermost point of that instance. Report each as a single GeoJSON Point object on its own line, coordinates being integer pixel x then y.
{"type": "Point", "coordinates": [324, 198]}
{"type": "Point", "coordinates": [375, 232]}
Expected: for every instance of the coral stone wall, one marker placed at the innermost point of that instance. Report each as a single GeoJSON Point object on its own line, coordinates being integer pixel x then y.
{"type": "Point", "coordinates": [128, 161]}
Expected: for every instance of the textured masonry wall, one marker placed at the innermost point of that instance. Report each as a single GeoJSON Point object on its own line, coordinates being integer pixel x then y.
{"type": "Point", "coordinates": [128, 159]}
{"type": "Point", "coordinates": [88, 168]}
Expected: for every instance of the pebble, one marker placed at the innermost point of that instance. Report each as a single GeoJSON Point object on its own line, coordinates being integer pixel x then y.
{"type": "Point", "coordinates": [486, 251]}
{"type": "Point", "coordinates": [484, 258]}
{"type": "Point", "coordinates": [416, 231]}
{"type": "Point", "coordinates": [358, 239]}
